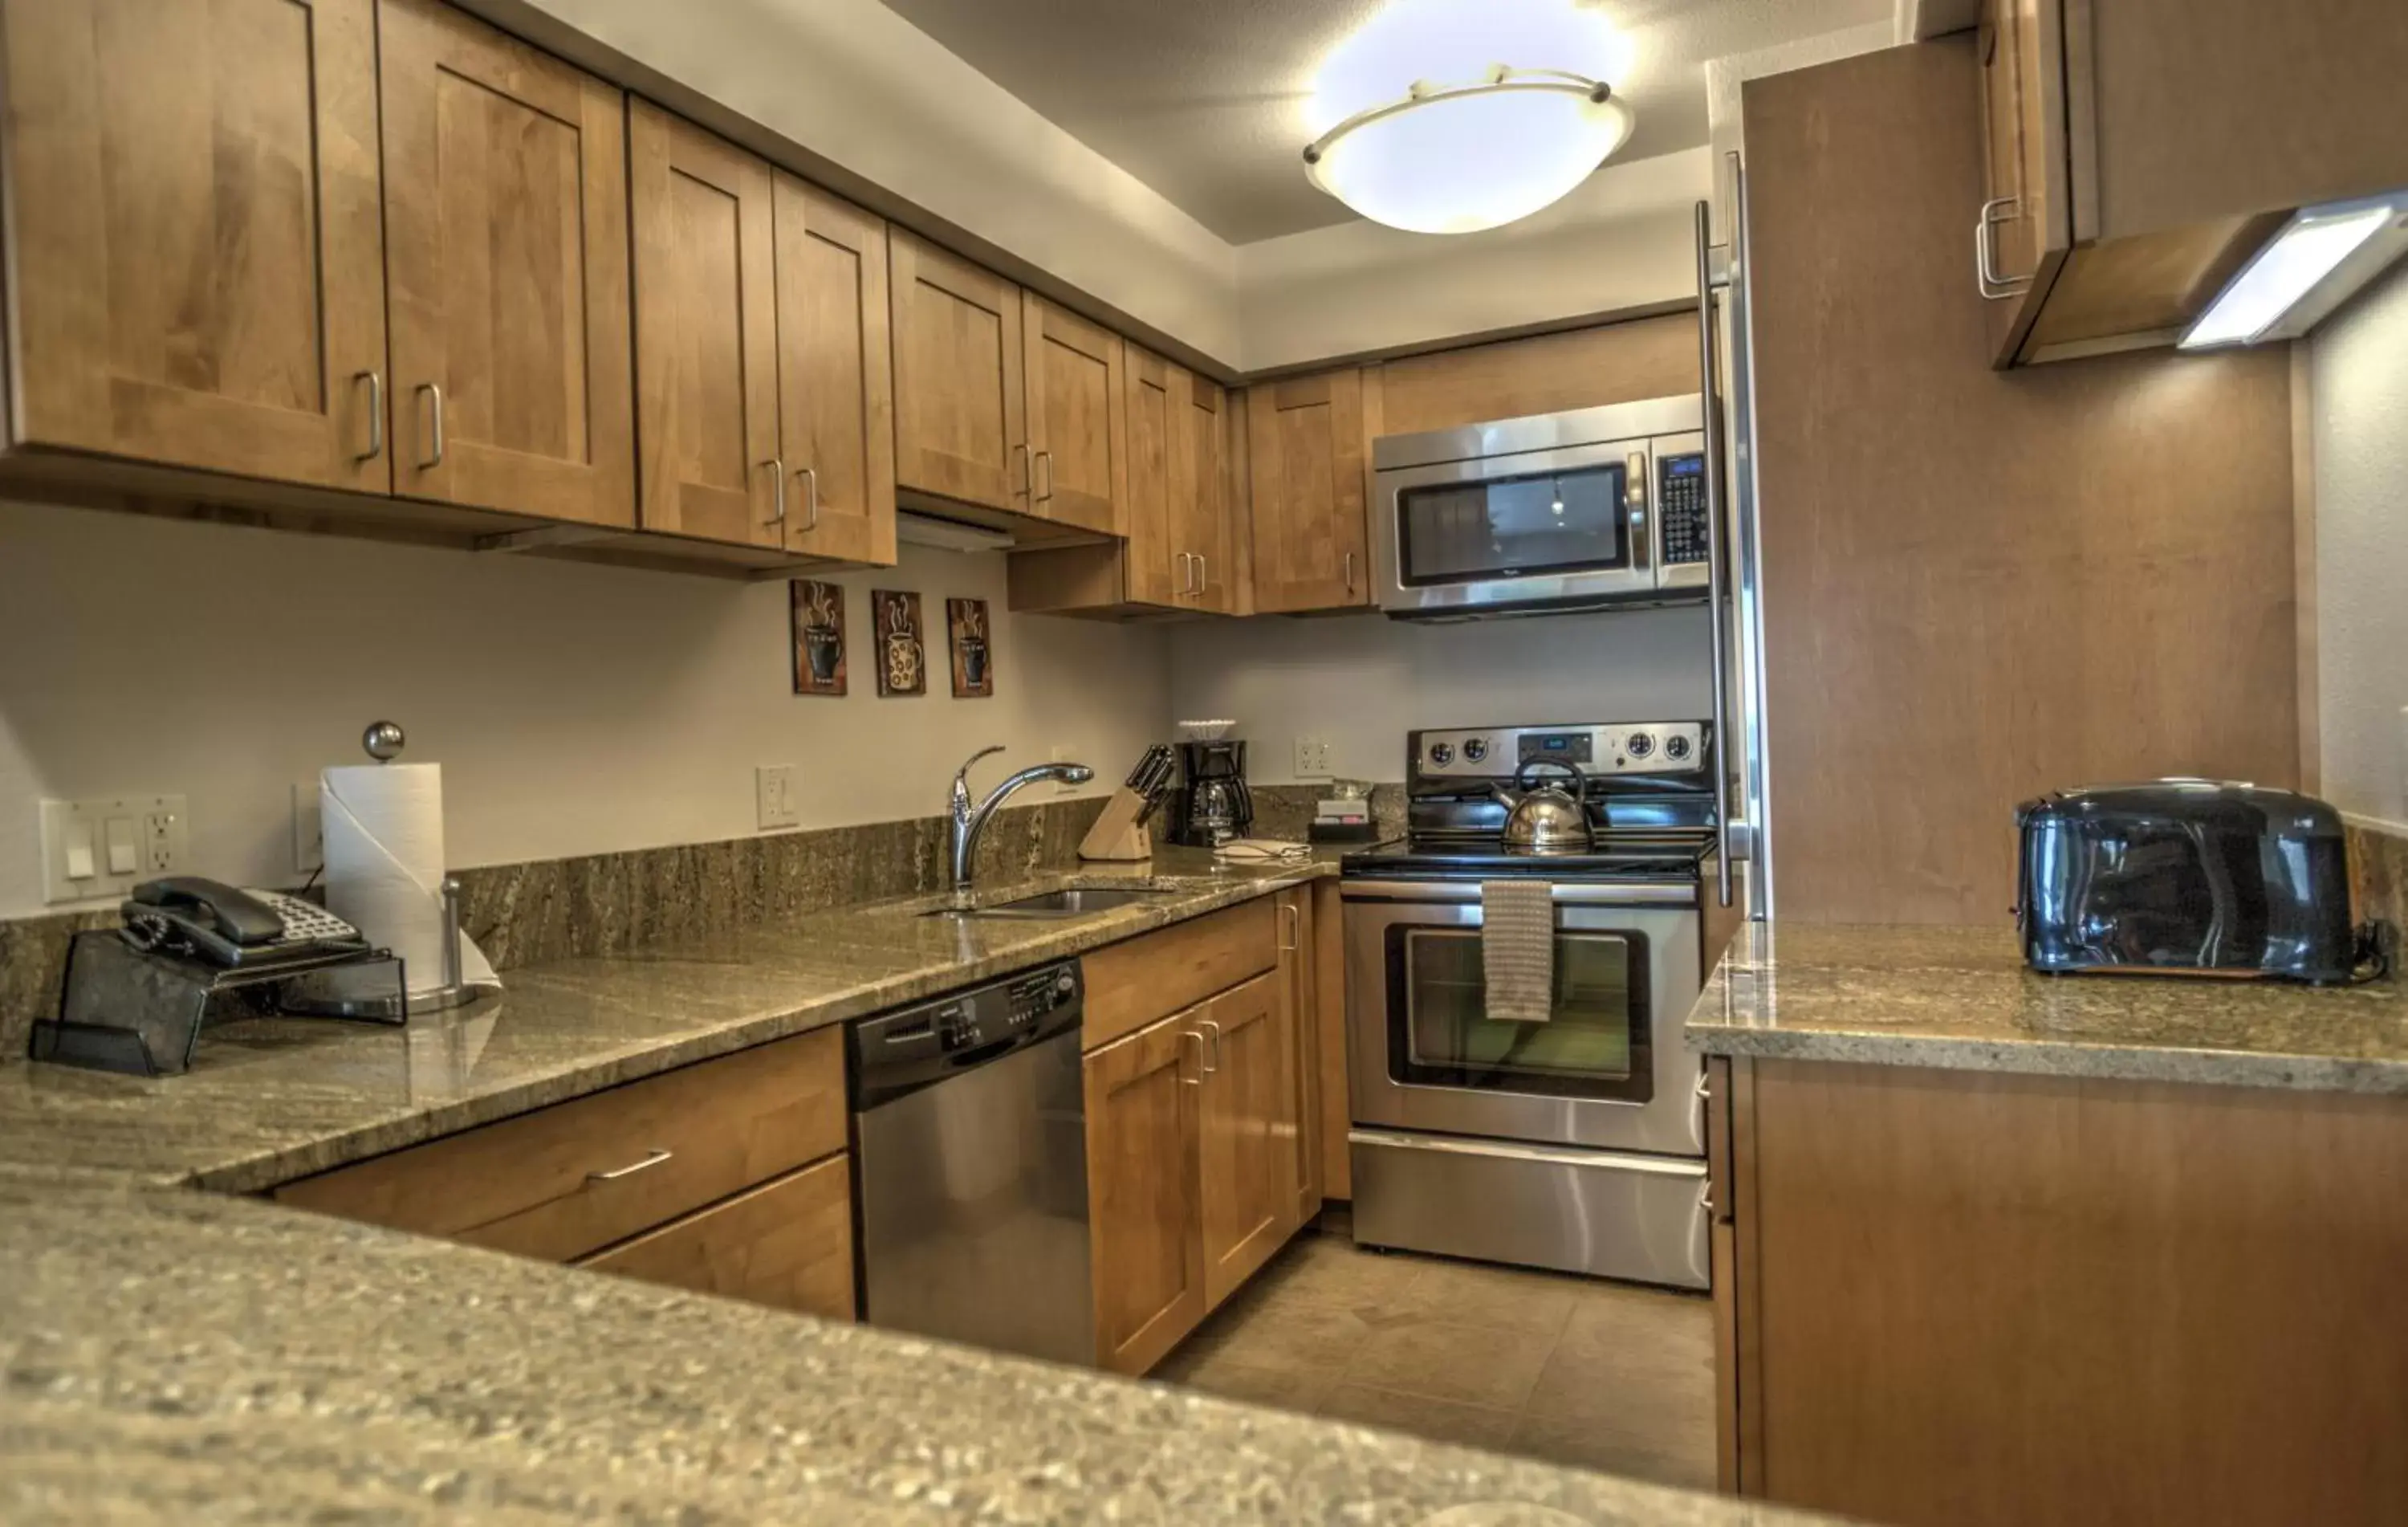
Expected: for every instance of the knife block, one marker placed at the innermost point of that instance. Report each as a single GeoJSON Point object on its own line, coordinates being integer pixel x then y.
{"type": "Point", "coordinates": [1119, 834]}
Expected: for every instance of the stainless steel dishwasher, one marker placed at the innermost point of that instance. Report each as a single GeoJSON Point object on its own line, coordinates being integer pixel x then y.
{"type": "Point", "coordinates": [970, 1141]}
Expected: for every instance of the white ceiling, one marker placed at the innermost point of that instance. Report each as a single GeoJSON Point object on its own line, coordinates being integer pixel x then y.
{"type": "Point", "coordinates": [1203, 99]}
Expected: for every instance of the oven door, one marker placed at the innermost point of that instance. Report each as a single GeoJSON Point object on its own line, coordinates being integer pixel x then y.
{"type": "Point", "coordinates": [1607, 1069]}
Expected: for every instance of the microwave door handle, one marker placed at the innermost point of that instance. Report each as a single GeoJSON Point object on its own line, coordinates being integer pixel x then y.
{"type": "Point", "coordinates": [1634, 503]}
{"type": "Point", "coordinates": [1716, 644]}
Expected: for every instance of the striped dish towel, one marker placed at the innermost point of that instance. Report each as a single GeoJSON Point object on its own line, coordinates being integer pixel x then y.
{"type": "Point", "coordinates": [1517, 949]}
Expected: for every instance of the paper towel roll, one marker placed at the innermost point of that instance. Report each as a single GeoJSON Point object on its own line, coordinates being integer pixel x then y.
{"type": "Point", "coordinates": [384, 830]}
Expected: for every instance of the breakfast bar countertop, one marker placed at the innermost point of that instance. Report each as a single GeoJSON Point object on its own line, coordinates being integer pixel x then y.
{"type": "Point", "coordinates": [1962, 999]}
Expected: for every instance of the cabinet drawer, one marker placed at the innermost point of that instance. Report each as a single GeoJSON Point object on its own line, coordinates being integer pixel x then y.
{"type": "Point", "coordinates": [1130, 985]}
{"type": "Point", "coordinates": [536, 1185]}
{"type": "Point", "coordinates": [787, 1242]}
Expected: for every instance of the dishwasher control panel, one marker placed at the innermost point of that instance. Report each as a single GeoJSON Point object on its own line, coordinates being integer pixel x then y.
{"type": "Point", "coordinates": [897, 1052]}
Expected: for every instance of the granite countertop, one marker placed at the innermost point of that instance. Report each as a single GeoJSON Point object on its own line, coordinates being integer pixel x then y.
{"type": "Point", "coordinates": [1962, 999]}
{"type": "Point", "coordinates": [272, 1101]}
{"type": "Point", "coordinates": [168, 1355]}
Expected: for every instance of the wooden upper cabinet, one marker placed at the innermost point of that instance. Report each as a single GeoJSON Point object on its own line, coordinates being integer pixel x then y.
{"type": "Point", "coordinates": [1544, 373]}
{"type": "Point", "coordinates": [195, 256]}
{"type": "Point", "coordinates": [1248, 1134]}
{"type": "Point", "coordinates": [1309, 451]}
{"type": "Point", "coordinates": [706, 332]}
{"type": "Point", "coordinates": [1200, 497]}
{"type": "Point", "coordinates": [961, 426]}
{"type": "Point", "coordinates": [836, 369]}
{"type": "Point", "coordinates": [505, 225]}
{"type": "Point", "coordinates": [2138, 154]}
{"type": "Point", "coordinates": [1157, 569]}
{"type": "Point", "coordinates": [1077, 417]}
{"type": "Point", "coordinates": [1147, 1246]}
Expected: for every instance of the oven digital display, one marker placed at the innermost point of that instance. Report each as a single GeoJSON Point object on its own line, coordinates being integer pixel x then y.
{"type": "Point", "coordinates": [1571, 748]}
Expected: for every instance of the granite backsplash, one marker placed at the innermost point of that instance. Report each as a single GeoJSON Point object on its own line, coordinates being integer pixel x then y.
{"type": "Point", "coordinates": [2378, 872]}
{"type": "Point", "coordinates": [1285, 811]}
{"type": "Point", "coordinates": [607, 903]}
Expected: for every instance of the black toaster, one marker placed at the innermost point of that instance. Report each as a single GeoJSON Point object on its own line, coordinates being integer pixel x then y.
{"type": "Point", "coordinates": [2187, 876]}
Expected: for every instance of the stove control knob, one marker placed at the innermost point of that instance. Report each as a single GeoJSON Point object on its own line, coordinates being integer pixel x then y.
{"type": "Point", "coordinates": [1475, 749]}
{"type": "Point", "coordinates": [1639, 743]}
{"type": "Point", "coordinates": [1676, 747]}
{"type": "Point", "coordinates": [1441, 754]}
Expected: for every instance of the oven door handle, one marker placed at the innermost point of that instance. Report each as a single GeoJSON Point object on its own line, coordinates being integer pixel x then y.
{"type": "Point", "coordinates": [1614, 1160]}
{"type": "Point", "coordinates": [1566, 894]}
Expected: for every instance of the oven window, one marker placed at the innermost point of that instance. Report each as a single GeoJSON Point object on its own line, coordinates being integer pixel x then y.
{"type": "Point", "coordinates": [1596, 1043]}
{"type": "Point", "coordinates": [1537, 524]}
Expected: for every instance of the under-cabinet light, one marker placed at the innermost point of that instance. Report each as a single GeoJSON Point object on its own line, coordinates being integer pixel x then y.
{"type": "Point", "coordinates": [2321, 256]}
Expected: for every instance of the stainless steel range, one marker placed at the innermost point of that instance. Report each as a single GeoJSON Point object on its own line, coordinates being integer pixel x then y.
{"type": "Point", "coordinates": [1578, 1143]}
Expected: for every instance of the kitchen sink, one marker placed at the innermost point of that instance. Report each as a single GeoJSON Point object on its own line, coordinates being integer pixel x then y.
{"type": "Point", "coordinates": [1073, 902]}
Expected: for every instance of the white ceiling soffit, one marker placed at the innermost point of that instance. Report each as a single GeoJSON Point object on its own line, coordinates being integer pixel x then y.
{"type": "Point", "coordinates": [1202, 99]}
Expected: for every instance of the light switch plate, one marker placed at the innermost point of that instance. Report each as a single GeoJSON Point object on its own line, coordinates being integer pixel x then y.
{"type": "Point", "coordinates": [160, 841]}
{"type": "Point", "coordinates": [773, 791]}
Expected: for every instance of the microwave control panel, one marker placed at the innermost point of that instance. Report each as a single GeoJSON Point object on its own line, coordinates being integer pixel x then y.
{"type": "Point", "coordinates": [1681, 509]}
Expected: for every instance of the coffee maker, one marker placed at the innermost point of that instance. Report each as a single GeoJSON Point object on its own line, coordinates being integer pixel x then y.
{"type": "Point", "coordinates": [1213, 804]}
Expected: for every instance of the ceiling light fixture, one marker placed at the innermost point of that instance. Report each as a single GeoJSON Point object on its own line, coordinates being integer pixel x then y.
{"type": "Point", "coordinates": [1474, 143]}
{"type": "Point", "coordinates": [2321, 255]}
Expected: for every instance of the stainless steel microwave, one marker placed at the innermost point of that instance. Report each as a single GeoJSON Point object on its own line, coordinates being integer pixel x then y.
{"type": "Point", "coordinates": [1576, 510]}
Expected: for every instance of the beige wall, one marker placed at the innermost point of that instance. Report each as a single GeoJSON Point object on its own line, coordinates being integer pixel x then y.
{"type": "Point", "coordinates": [1364, 680]}
{"type": "Point", "coordinates": [574, 709]}
{"type": "Point", "coordinates": [2359, 369]}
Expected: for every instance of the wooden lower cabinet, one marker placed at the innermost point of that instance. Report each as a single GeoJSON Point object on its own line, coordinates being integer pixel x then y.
{"type": "Point", "coordinates": [1143, 1118]}
{"type": "Point", "coordinates": [787, 1242]}
{"type": "Point", "coordinates": [1968, 1298]}
{"type": "Point", "coordinates": [1202, 1142]}
{"type": "Point", "coordinates": [1248, 1171]}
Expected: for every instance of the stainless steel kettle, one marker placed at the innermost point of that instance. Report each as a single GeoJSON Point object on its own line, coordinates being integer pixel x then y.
{"type": "Point", "coordinates": [1549, 819]}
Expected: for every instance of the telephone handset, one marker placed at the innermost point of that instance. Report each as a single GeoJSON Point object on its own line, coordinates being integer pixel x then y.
{"type": "Point", "coordinates": [185, 914]}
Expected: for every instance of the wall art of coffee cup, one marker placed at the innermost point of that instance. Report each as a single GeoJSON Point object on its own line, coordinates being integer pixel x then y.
{"type": "Point", "coordinates": [973, 654]}
{"type": "Point", "coordinates": [902, 652]}
{"type": "Point", "coordinates": [819, 637]}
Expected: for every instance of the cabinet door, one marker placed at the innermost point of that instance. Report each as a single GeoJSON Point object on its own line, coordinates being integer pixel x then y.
{"type": "Point", "coordinates": [1141, 1191]}
{"type": "Point", "coordinates": [506, 219]}
{"type": "Point", "coordinates": [961, 427]}
{"type": "Point", "coordinates": [195, 262]}
{"type": "Point", "coordinates": [1200, 482]}
{"type": "Point", "coordinates": [835, 370]}
{"type": "Point", "coordinates": [2025, 168]}
{"type": "Point", "coordinates": [1296, 994]}
{"type": "Point", "coordinates": [706, 332]}
{"type": "Point", "coordinates": [1158, 572]}
{"type": "Point", "coordinates": [1308, 448]}
{"type": "Point", "coordinates": [787, 1242]}
{"type": "Point", "coordinates": [1078, 430]}
{"type": "Point", "coordinates": [1248, 1139]}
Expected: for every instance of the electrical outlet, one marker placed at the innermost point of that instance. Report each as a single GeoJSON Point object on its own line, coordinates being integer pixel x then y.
{"type": "Point", "coordinates": [309, 827]}
{"type": "Point", "coordinates": [773, 789]}
{"type": "Point", "coordinates": [1312, 757]}
{"type": "Point", "coordinates": [105, 847]}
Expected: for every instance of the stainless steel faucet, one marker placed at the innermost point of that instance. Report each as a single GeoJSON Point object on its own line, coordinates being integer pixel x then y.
{"type": "Point", "coordinates": [969, 821]}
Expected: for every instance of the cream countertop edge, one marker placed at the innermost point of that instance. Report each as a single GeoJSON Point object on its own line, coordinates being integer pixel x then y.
{"type": "Point", "coordinates": [1960, 999]}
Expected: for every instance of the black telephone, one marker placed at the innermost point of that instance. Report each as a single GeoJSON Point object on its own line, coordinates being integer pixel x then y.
{"type": "Point", "coordinates": [184, 915]}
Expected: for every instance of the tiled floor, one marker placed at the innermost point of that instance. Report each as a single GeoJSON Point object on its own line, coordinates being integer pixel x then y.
{"type": "Point", "coordinates": [1606, 1376]}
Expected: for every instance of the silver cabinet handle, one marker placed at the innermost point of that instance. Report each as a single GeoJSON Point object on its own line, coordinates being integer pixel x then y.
{"type": "Point", "coordinates": [1027, 471]}
{"type": "Point", "coordinates": [1294, 928]}
{"type": "Point", "coordinates": [1196, 1080]}
{"type": "Point", "coordinates": [1186, 574]}
{"type": "Point", "coordinates": [1350, 573]}
{"type": "Point", "coordinates": [810, 499]}
{"type": "Point", "coordinates": [652, 1158]}
{"type": "Point", "coordinates": [1047, 457]}
{"type": "Point", "coordinates": [1718, 645]}
{"type": "Point", "coordinates": [777, 466]}
{"type": "Point", "coordinates": [1214, 1069]}
{"type": "Point", "coordinates": [1993, 286]}
{"type": "Point", "coordinates": [434, 430]}
{"type": "Point", "coordinates": [1203, 573]}
{"type": "Point", "coordinates": [375, 414]}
